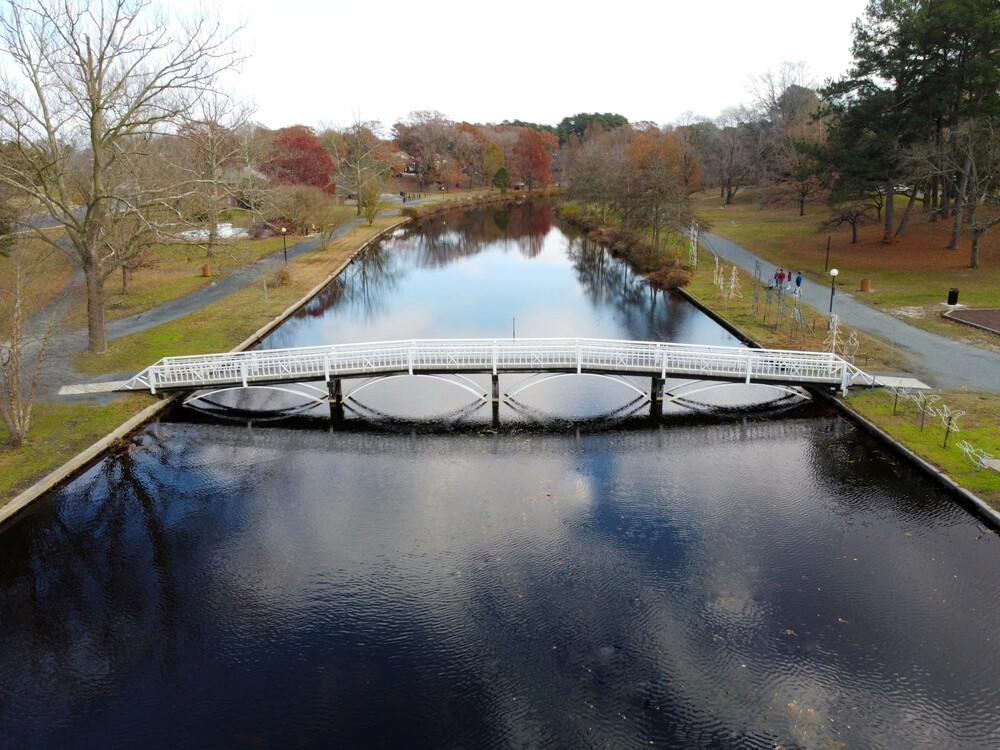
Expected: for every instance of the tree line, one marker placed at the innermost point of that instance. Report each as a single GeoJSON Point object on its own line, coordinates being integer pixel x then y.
{"type": "Point", "coordinates": [916, 117]}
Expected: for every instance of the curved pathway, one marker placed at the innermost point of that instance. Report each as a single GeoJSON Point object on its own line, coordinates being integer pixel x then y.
{"type": "Point", "coordinates": [941, 361]}
{"type": "Point", "coordinates": [65, 344]}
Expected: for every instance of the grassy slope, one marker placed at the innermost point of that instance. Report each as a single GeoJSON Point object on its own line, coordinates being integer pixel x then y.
{"type": "Point", "coordinates": [910, 278]}
{"type": "Point", "coordinates": [978, 426]}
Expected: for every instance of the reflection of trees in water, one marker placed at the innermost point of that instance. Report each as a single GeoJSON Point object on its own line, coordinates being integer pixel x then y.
{"type": "Point", "coordinates": [92, 584]}
{"type": "Point", "coordinates": [82, 581]}
{"type": "Point", "coordinates": [365, 284]}
{"type": "Point", "coordinates": [449, 237]}
{"type": "Point", "coordinates": [608, 281]}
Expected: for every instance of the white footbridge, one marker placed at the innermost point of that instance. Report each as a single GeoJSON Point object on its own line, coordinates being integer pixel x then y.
{"type": "Point", "coordinates": [453, 360]}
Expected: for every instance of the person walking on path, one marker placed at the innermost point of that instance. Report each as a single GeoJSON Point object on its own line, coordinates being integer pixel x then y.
{"type": "Point", "coordinates": [798, 281]}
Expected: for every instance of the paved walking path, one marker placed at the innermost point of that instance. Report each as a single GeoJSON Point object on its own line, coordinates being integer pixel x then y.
{"type": "Point", "coordinates": [66, 343]}
{"type": "Point", "coordinates": [941, 361]}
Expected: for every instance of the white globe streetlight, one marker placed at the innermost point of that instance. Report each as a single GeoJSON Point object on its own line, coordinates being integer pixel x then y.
{"type": "Point", "coordinates": [833, 287]}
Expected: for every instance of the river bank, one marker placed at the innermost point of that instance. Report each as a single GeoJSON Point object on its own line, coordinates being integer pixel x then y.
{"type": "Point", "coordinates": [730, 301]}
{"type": "Point", "coordinates": [89, 429]}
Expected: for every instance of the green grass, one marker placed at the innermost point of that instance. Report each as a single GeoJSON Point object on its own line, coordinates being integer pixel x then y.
{"type": "Point", "coordinates": [909, 278]}
{"type": "Point", "coordinates": [58, 432]}
{"type": "Point", "coordinates": [176, 270]}
{"type": "Point", "coordinates": [979, 426]}
{"type": "Point", "coordinates": [223, 324]}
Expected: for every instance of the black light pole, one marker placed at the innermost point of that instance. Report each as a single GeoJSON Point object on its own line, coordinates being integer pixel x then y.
{"type": "Point", "coordinates": [833, 287]}
{"type": "Point", "coordinates": [284, 244]}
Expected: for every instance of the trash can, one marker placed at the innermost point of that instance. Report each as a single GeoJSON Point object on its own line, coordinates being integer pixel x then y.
{"type": "Point", "coordinates": [952, 296]}
{"type": "Point", "coordinates": [866, 285]}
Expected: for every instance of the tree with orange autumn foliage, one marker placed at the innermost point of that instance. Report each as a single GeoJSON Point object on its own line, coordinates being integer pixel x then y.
{"type": "Point", "coordinates": [657, 189]}
{"type": "Point", "coordinates": [533, 157]}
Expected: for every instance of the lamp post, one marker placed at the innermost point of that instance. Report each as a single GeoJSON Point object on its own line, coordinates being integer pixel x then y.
{"type": "Point", "coordinates": [833, 287]}
{"type": "Point", "coordinates": [284, 245]}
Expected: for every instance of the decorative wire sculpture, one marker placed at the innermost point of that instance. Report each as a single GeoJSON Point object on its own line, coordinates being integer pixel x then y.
{"type": "Point", "coordinates": [949, 420]}
{"type": "Point", "coordinates": [693, 247]}
{"type": "Point", "coordinates": [757, 283]}
{"type": "Point", "coordinates": [734, 291]}
{"type": "Point", "coordinates": [925, 403]}
{"type": "Point", "coordinates": [849, 349]}
{"type": "Point", "coordinates": [830, 343]}
{"type": "Point", "coordinates": [979, 458]}
{"type": "Point", "coordinates": [782, 308]}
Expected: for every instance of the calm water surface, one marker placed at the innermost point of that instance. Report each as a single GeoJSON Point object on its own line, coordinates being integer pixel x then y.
{"type": "Point", "coordinates": [736, 581]}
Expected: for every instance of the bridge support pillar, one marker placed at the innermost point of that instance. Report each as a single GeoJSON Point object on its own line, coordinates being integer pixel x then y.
{"type": "Point", "coordinates": [656, 396]}
{"type": "Point", "coordinates": [336, 391]}
{"type": "Point", "coordinates": [496, 389]}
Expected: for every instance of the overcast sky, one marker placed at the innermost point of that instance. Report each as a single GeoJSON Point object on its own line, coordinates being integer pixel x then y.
{"type": "Point", "coordinates": [315, 62]}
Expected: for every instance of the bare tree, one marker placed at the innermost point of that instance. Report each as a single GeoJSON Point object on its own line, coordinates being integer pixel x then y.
{"type": "Point", "coordinates": [854, 214]}
{"type": "Point", "coordinates": [89, 87]}
{"type": "Point", "coordinates": [210, 156]}
{"type": "Point", "coordinates": [18, 375]}
{"type": "Point", "coordinates": [362, 161]}
{"type": "Point", "coordinates": [370, 197]}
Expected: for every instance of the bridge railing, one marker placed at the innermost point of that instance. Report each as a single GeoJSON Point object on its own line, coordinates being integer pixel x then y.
{"type": "Point", "coordinates": [495, 355]}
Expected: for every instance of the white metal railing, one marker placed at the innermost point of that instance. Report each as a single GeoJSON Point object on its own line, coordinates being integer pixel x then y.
{"type": "Point", "coordinates": [664, 360]}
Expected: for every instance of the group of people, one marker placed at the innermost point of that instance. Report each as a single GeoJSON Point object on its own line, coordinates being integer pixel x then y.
{"type": "Point", "coordinates": [783, 281]}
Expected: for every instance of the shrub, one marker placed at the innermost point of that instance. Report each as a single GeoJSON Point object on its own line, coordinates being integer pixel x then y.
{"type": "Point", "coordinates": [670, 277]}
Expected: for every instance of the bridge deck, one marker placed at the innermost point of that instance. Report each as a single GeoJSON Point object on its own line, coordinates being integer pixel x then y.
{"type": "Point", "coordinates": [495, 356]}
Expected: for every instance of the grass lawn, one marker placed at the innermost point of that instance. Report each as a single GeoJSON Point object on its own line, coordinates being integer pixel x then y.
{"type": "Point", "coordinates": [222, 325]}
{"type": "Point", "coordinates": [979, 426]}
{"type": "Point", "coordinates": [49, 270]}
{"type": "Point", "coordinates": [873, 352]}
{"type": "Point", "coordinates": [58, 432]}
{"type": "Point", "coordinates": [909, 278]}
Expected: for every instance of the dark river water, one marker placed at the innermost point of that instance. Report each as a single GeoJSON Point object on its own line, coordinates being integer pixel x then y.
{"type": "Point", "coordinates": [581, 576]}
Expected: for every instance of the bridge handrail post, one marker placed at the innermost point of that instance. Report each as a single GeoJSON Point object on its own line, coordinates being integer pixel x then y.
{"type": "Point", "coordinates": [326, 368]}
{"type": "Point", "coordinates": [413, 346]}
{"type": "Point", "coordinates": [843, 378]}
{"type": "Point", "coordinates": [243, 371]}
{"type": "Point", "coordinates": [663, 361]}
{"type": "Point", "coordinates": [749, 366]}
{"type": "Point", "coordinates": [579, 357]}
{"type": "Point", "coordinates": [495, 353]}
{"type": "Point", "coordinates": [152, 379]}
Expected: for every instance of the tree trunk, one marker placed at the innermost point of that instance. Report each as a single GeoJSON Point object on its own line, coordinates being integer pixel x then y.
{"type": "Point", "coordinates": [97, 340]}
{"type": "Point", "coordinates": [974, 257]}
{"type": "Point", "coordinates": [906, 214]}
{"type": "Point", "coordinates": [890, 201]}
{"type": "Point", "coordinates": [960, 201]}
{"type": "Point", "coordinates": [854, 233]}
{"type": "Point", "coordinates": [124, 281]}
{"type": "Point", "coordinates": [802, 205]}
